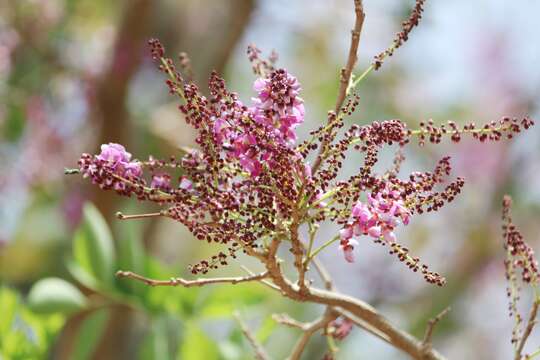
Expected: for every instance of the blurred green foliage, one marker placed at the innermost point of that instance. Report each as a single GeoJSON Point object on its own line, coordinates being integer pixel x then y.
{"type": "Point", "coordinates": [24, 333]}
{"type": "Point", "coordinates": [180, 321]}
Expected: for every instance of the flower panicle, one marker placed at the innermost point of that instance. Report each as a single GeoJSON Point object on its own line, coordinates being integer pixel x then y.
{"type": "Point", "coordinates": [247, 180]}
{"type": "Point", "coordinates": [403, 35]}
{"type": "Point", "coordinates": [261, 66]}
{"type": "Point", "coordinates": [506, 127]}
{"type": "Point", "coordinates": [521, 268]}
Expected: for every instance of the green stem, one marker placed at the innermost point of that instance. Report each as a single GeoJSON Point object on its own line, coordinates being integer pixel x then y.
{"type": "Point", "coordinates": [321, 248]}
{"type": "Point", "coordinates": [312, 232]}
{"type": "Point", "coordinates": [359, 78]}
{"type": "Point", "coordinates": [533, 355]}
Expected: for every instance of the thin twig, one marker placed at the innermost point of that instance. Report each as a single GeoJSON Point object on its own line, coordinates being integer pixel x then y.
{"type": "Point", "coordinates": [189, 283]}
{"type": "Point", "coordinates": [346, 73]}
{"type": "Point", "coordinates": [364, 325]}
{"type": "Point", "coordinates": [321, 270]}
{"type": "Point", "coordinates": [260, 353]}
{"type": "Point", "coordinates": [431, 326]}
{"type": "Point", "coordinates": [323, 273]}
{"type": "Point", "coordinates": [309, 330]}
{"type": "Point", "coordinates": [353, 55]}
{"type": "Point", "coordinates": [528, 329]}
{"type": "Point", "coordinates": [121, 216]}
{"type": "Point", "coordinates": [361, 310]}
{"type": "Point", "coordinates": [532, 355]}
{"type": "Point", "coordinates": [265, 282]}
{"type": "Point", "coordinates": [286, 320]}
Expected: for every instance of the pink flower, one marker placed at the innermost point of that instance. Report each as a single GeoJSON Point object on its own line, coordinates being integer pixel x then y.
{"type": "Point", "coordinates": [307, 171]}
{"type": "Point", "coordinates": [185, 183]}
{"type": "Point", "coordinates": [161, 182]}
{"type": "Point", "coordinates": [346, 233]}
{"type": "Point", "coordinates": [348, 253]}
{"type": "Point", "coordinates": [378, 219]}
{"type": "Point", "coordinates": [117, 159]}
{"type": "Point", "coordinates": [318, 196]}
{"type": "Point", "coordinates": [221, 131]}
{"type": "Point", "coordinates": [278, 106]}
{"type": "Point", "coordinates": [133, 169]}
{"type": "Point", "coordinates": [342, 329]}
{"type": "Point", "coordinates": [114, 153]}
{"type": "Point", "coordinates": [259, 85]}
{"type": "Point", "coordinates": [250, 165]}
{"type": "Point", "coordinates": [375, 231]}
{"type": "Point", "coordinates": [389, 236]}
{"type": "Point", "coordinates": [361, 211]}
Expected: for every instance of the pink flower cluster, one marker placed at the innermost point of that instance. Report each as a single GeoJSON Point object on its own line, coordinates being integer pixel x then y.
{"type": "Point", "coordinates": [119, 160]}
{"type": "Point", "coordinates": [277, 111]}
{"type": "Point", "coordinates": [161, 181]}
{"type": "Point", "coordinates": [278, 106]}
{"type": "Point", "coordinates": [378, 219]}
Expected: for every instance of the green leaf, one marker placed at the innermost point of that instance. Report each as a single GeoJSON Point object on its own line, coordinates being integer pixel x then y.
{"type": "Point", "coordinates": [15, 123]}
{"type": "Point", "coordinates": [178, 300]}
{"type": "Point", "coordinates": [93, 248]}
{"type": "Point", "coordinates": [89, 334]}
{"type": "Point", "coordinates": [196, 345]}
{"type": "Point", "coordinates": [52, 295]}
{"type": "Point", "coordinates": [156, 345]}
{"type": "Point", "coordinates": [8, 304]}
{"type": "Point", "coordinates": [266, 329]}
{"type": "Point", "coordinates": [81, 275]}
{"type": "Point", "coordinates": [131, 256]}
{"type": "Point", "coordinates": [24, 334]}
{"type": "Point", "coordinates": [222, 300]}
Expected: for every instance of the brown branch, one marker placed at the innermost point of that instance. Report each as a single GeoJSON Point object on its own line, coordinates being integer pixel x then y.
{"type": "Point", "coordinates": [321, 270]}
{"type": "Point", "coordinates": [323, 274]}
{"type": "Point", "coordinates": [364, 325]}
{"type": "Point", "coordinates": [286, 320]}
{"type": "Point", "coordinates": [396, 337]}
{"type": "Point", "coordinates": [345, 75]}
{"type": "Point", "coordinates": [260, 353]}
{"type": "Point", "coordinates": [297, 248]}
{"type": "Point", "coordinates": [528, 329]}
{"type": "Point", "coordinates": [122, 216]}
{"type": "Point", "coordinates": [265, 282]}
{"type": "Point", "coordinates": [352, 57]}
{"type": "Point", "coordinates": [309, 330]}
{"type": "Point", "coordinates": [189, 283]}
{"type": "Point", "coordinates": [431, 326]}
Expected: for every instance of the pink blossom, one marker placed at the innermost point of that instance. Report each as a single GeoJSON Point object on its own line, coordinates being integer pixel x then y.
{"type": "Point", "coordinates": [114, 153]}
{"type": "Point", "coordinates": [375, 231]}
{"type": "Point", "coordinates": [346, 233]}
{"type": "Point", "coordinates": [185, 183]}
{"type": "Point", "coordinates": [361, 211]}
{"type": "Point", "coordinates": [343, 328]}
{"type": "Point", "coordinates": [250, 165]}
{"type": "Point", "coordinates": [318, 197]}
{"type": "Point", "coordinates": [161, 181]}
{"type": "Point", "coordinates": [133, 169]}
{"type": "Point", "coordinates": [117, 160]}
{"type": "Point", "coordinates": [378, 218]}
{"type": "Point", "coordinates": [348, 253]}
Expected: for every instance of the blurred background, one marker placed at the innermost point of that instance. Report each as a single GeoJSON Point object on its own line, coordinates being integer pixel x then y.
{"type": "Point", "coordinates": [77, 73]}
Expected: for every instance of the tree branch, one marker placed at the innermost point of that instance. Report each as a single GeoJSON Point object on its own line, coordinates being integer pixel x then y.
{"type": "Point", "coordinates": [309, 330]}
{"type": "Point", "coordinates": [352, 57]}
{"type": "Point", "coordinates": [431, 326]}
{"type": "Point", "coordinates": [189, 283]}
{"type": "Point", "coordinates": [260, 353]}
{"type": "Point", "coordinates": [286, 320]}
{"type": "Point", "coordinates": [528, 329]}
{"type": "Point", "coordinates": [345, 75]}
{"type": "Point", "coordinates": [396, 337]}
